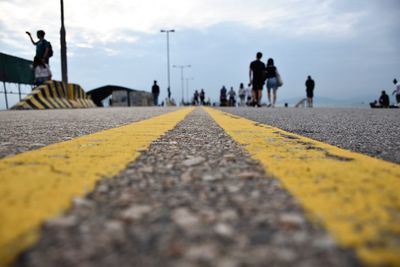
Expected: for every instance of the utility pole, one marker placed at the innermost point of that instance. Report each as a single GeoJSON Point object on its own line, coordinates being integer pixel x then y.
{"type": "Point", "coordinates": [182, 78]}
{"type": "Point", "coordinates": [64, 70]}
{"type": "Point", "coordinates": [168, 71]}
{"type": "Point", "coordinates": [187, 88]}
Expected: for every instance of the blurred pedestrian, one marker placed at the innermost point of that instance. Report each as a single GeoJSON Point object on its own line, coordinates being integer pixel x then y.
{"type": "Point", "coordinates": [242, 95]}
{"type": "Point", "coordinates": [41, 70]}
{"type": "Point", "coordinates": [396, 91]}
{"type": "Point", "coordinates": [273, 82]}
{"type": "Point", "coordinates": [232, 97]}
{"type": "Point", "coordinates": [155, 90]}
{"type": "Point", "coordinates": [384, 100]}
{"type": "Point", "coordinates": [196, 98]}
{"type": "Point", "coordinates": [257, 78]}
{"type": "Point", "coordinates": [43, 48]}
{"type": "Point", "coordinates": [310, 84]}
{"type": "Point", "coordinates": [222, 97]}
{"type": "Point", "coordinates": [249, 96]}
{"type": "Point", "coordinates": [202, 97]}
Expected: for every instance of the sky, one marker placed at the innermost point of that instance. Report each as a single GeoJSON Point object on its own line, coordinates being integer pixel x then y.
{"type": "Point", "coordinates": [350, 48]}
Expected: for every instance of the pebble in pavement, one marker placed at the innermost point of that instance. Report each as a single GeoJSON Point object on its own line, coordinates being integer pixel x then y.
{"type": "Point", "coordinates": [195, 198]}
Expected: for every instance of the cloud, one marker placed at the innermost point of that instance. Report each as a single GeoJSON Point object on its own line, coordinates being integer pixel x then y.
{"type": "Point", "coordinates": [111, 21]}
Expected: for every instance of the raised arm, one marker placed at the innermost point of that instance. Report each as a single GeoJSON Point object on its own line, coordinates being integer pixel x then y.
{"type": "Point", "coordinates": [30, 36]}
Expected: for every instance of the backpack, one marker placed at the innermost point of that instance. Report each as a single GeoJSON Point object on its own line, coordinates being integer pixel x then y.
{"type": "Point", "coordinates": [50, 50]}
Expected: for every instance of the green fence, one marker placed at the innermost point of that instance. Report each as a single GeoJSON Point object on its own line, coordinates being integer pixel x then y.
{"type": "Point", "coordinates": [15, 70]}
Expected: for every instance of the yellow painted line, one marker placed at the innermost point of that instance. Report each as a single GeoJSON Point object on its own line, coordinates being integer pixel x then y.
{"type": "Point", "coordinates": [40, 184]}
{"type": "Point", "coordinates": [355, 197]}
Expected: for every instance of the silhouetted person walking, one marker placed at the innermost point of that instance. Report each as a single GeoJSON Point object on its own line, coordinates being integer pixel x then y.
{"type": "Point", "coordinates": [43, 47]}
{"type": "Point", "coordinates": [155, 90]}
{"type": "Point", "coordinates": [384, 100]}
{"type": "Point", "coordinates": [222, 97]}
{"type": "Point", "coordinates": [396, 91]}
{"type": "Point", "coordinates": [202, 97]}
{"type": "Point", "coordinates": [257, 78]}
{"type": "Point", "coordinates": [310, 84]}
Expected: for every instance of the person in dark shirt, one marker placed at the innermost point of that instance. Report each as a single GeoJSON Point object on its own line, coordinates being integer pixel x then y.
{"type": "Point", "coordinates": [222, 97]}
{"type": "Point", "coordinates": [310, 84]}
{"type": "Point", "coordinates": [257, 78]}
{"type": "Point", "coordinates": [42, 46]}
{"type": "Point", "coordinates": [202, 97]}
{"type": "Point", "coordinates": [384, 100]}
{"type": "Point", "coordinates": [155, 90]}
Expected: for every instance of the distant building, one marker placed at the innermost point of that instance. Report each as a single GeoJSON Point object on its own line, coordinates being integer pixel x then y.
{"type": "Point", "coordinates": [119, 96]}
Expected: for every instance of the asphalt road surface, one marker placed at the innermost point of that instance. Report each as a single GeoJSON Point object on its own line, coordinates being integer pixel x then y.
{"type": "Point", "coordinates": [27, 130]}
{"type": "Point", "coordinates": [375, 132]}
{"type": "Point", "coordinates": [195, 197]}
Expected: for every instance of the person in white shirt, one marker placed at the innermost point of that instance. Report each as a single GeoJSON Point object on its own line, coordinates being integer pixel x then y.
{"type": "Point", "coordinates": [242, 95]}
{"type": "Point", "coordinates": [396, 91]}
{"type": "Point", "coordinates": [42, 71]}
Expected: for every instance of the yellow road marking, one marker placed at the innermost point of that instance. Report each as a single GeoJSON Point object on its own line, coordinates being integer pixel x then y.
{"type": "Point", "coordinates": [40, 184]}
{"type": "Point", "coordinates": [356, 197]}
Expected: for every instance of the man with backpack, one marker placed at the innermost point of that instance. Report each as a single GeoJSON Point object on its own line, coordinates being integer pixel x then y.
{"type": "Point", "coordinates": [43, 47]}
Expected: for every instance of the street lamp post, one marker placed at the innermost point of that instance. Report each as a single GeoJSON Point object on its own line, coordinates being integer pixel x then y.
{"type": "Point", "coordinates": [182, 79]}
{"type": "Point", "coordinates": [64, 71]}
{"type": "Point", "coordinates": [168, 72]}
{"type": "Point", "coordinates": [187, 88]}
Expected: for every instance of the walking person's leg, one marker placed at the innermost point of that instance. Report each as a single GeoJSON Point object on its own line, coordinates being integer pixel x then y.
{"type": "Point", "coordinates": [274, 92]}
{"type": "Point", "coordinates": [254, 95]}
{"type": "Point", "coordinates": [260, 95]}
{"type": "Point", "coordinates": [269, 96]}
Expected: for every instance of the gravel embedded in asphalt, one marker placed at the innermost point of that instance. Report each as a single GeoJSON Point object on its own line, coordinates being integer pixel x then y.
{"type": "Point", "coordinates": [375, 132]}
{"type": "Point", "coordinates": [28, 130]}
{"type": "Point", "coordinates": [195, 198]}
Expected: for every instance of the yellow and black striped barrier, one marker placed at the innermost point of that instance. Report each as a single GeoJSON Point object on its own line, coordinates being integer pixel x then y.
{"type": "Point", "coordinates": [56, 95]}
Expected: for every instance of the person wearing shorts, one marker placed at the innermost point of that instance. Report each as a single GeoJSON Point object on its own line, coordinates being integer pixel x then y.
{"type": "Point", "coordinates": [272, 82]}
{"type": "Point", "coordinates": [257, 79]}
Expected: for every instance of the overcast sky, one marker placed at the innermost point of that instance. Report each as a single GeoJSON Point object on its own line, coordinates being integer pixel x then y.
{"type": "Point", "coordinates": [350, 48]}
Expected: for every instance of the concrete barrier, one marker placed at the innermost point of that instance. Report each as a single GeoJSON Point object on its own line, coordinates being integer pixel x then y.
{"type": "Point", "coordinates": [55, 95]}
